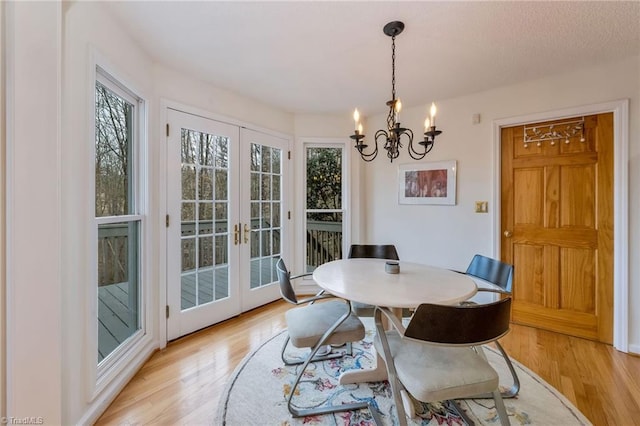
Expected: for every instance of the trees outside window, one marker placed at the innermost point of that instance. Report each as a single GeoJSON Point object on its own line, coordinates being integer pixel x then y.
{"type": "Point", "coordinates": [117, 212]}
{"type": "Point", "coordinates": [324, 204]}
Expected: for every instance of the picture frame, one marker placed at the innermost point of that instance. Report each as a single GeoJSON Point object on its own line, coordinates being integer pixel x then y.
{"type": "Point", "coordinates": [427, 183]}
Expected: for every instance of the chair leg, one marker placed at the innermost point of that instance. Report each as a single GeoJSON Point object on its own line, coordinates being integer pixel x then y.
{"type": "Point", "coordinates": [331, 355]}
{"type": "Point", "coordinates": [391, 370]}
{"type": "Point", "coordinates": [296, 412]}
{"type": "Point", "coordinates": [502, 411]}
{"type": "Point", "coordinates": [461, 413]}
{"type": "Point", "coordinates": [515, 388]}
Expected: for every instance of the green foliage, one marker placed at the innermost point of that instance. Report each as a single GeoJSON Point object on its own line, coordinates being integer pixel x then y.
{"type": "Point", "coordinates": [324, 179]}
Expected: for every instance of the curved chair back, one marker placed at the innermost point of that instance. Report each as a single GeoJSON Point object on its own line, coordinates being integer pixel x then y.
{"type": "Point", "coordinates": [460, 324]}
{"type": "Point", "coordinates": [375, 251]}
{"type": "Point", "coordinates": [286, 289]}
{"type": "Point", "coordinates": [492, 270]}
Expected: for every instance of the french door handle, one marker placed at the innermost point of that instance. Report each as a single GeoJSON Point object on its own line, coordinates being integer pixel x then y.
{"type": "Point", "coordinates": [236, 234]}
{"type": "Point", "coordinates": [246, 233]}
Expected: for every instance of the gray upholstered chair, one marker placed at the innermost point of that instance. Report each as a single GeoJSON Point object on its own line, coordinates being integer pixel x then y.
{"type": "Point", "coordinates": [494, 276]}
{"type": "Point", "coordinates": [307, 323]}
{"type": "Point", "coordinates": [439, 355]}
{"type": "Point", "coordinates": [370, 251]}
{"type": "Point", "coordinates": [314, 326]}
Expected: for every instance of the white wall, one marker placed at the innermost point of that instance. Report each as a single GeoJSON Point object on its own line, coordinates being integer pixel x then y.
{"type": "Point", "coordinates": [34, 332]}
{"type": "Point", "coordinates": [91, 32]}
{"type": "Point", "coordinates": [449, 235]}
{"type": "Point", "coordinates": [176, 87]}
{"type": "Point", "coordinates": [3, 144]}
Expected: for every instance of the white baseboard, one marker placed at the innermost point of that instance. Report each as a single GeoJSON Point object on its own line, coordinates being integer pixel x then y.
{"type": "Point", "coordinates": [634, 349]}
{"type": "Point", "coordinates": [101, 403]}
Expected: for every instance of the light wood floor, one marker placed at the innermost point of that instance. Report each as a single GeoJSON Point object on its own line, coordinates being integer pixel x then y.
{"type": "Point", "coordinates": [182, 383]}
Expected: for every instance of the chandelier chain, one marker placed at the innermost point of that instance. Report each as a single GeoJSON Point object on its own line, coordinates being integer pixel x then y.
{"type": "Point", "coordinates": [393, 68]}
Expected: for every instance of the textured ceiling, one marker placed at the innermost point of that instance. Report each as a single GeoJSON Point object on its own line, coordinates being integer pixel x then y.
{"type": "Point", "coordinates": [328, 57]}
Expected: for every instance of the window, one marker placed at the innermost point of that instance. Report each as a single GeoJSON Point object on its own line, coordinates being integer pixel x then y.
{"type": "Point", "coordinates": [118, 215]}
{"type": "Point", "coordinates": [325, 204]}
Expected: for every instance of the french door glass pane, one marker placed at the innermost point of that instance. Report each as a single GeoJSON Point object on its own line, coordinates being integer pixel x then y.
{"type": "Point", "coordinates": [118, 284]}
{"type": "Point", "coordinates": [204, 276]}
{"type": "Point", "coordinates": [266, 177]}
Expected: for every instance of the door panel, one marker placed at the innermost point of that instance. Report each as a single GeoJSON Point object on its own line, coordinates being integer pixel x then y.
{"type": "Point", "coordinates": [557, 219]}
{"type": "Point", "coordinates": [263, 175]}
{"type": "Point", "coordinates": [202, 263]}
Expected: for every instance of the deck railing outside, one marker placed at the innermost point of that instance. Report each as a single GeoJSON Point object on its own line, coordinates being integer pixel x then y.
{"type": "Point", "coordinates": [324, 244]}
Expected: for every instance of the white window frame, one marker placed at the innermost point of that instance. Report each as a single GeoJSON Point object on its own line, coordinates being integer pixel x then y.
{"type": "Point", "coordinates": [110, 368]}
{"type": "Point", "coordinates": [305, 284]}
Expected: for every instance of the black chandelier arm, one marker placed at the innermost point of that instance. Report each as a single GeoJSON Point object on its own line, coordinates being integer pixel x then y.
{"type": "Point", "coordinates": [413, 153]}
{"type": "Point", "coordinates": [361, 146]}
{"type": "Point", "coordinates": [419, 155]}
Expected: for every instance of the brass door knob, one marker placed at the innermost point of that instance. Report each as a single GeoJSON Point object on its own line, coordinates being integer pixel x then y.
{"type": "Point", "coordinates": [508, 234]}
{"type": "Point", "coordinates": [246, 233]}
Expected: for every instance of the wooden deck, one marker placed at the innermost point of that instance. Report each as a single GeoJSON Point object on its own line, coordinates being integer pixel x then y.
{"type": "Point", "coordinates": [117, 322]}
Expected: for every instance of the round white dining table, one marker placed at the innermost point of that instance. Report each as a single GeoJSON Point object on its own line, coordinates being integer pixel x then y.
{"type": "Point", "coordinates": [366, 281]}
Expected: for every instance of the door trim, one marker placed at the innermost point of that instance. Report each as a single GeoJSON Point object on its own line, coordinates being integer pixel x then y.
{"type": "Point", "coordinates": [620, 109]}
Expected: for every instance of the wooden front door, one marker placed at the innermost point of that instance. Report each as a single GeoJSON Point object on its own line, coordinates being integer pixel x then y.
{"type": "Point", "coordinates": [557, 224]}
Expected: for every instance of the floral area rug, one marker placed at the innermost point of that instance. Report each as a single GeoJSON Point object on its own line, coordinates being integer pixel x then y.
{"type": "Point", "coordinates": [258, 390]}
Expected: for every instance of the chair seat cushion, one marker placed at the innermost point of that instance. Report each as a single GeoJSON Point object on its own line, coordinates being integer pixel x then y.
{"type": "Point", "coordinates": [437, 373]}
{"type": "Point", "coordinates": [307, 324]}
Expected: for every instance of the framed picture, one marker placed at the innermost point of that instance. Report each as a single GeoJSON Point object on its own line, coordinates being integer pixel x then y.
{"type": "Point", "coordinates": [427, 183]}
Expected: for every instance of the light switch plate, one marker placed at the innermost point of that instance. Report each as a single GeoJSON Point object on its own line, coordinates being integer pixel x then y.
{"type": "Point", "coordinates": [482, 206]}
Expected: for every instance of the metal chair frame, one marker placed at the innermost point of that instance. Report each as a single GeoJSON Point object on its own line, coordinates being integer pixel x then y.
{"type": "Point", "coordinates": [501, 275]}
{"type": "Point", "coordinates": [289, 295]}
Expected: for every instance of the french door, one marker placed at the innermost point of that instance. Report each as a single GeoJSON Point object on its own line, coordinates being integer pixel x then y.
{"type": "Point", "coordinates": [225, 204]}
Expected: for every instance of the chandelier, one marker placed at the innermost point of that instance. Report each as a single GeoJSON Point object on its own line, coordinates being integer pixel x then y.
{"type": "Point", "coordinates": [394, 135]}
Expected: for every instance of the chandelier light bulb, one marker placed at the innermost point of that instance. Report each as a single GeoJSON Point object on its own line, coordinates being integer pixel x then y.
{"type": "Point", "coordinates": [427, 124]}
{"type": "Point", "coordinates": [360, 128]}
{"type": "Point", "coordinates": [356, 117]}
{"type": "Point", "coordinates": [433, 114]}
{"type": "Point", "coordinates": [398, 106]}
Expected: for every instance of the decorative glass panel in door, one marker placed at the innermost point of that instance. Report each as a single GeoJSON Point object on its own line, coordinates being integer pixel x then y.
{"type": "Point", "coordinates": [264, 234]}
{"type": "Point", "coordinates": [266, 174]}
{"type": "Point", "coordinates": [204, 217]}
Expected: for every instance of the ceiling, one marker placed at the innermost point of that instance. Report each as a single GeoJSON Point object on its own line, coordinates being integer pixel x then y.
{"type": "Point", "coordinates": [318, 57]}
